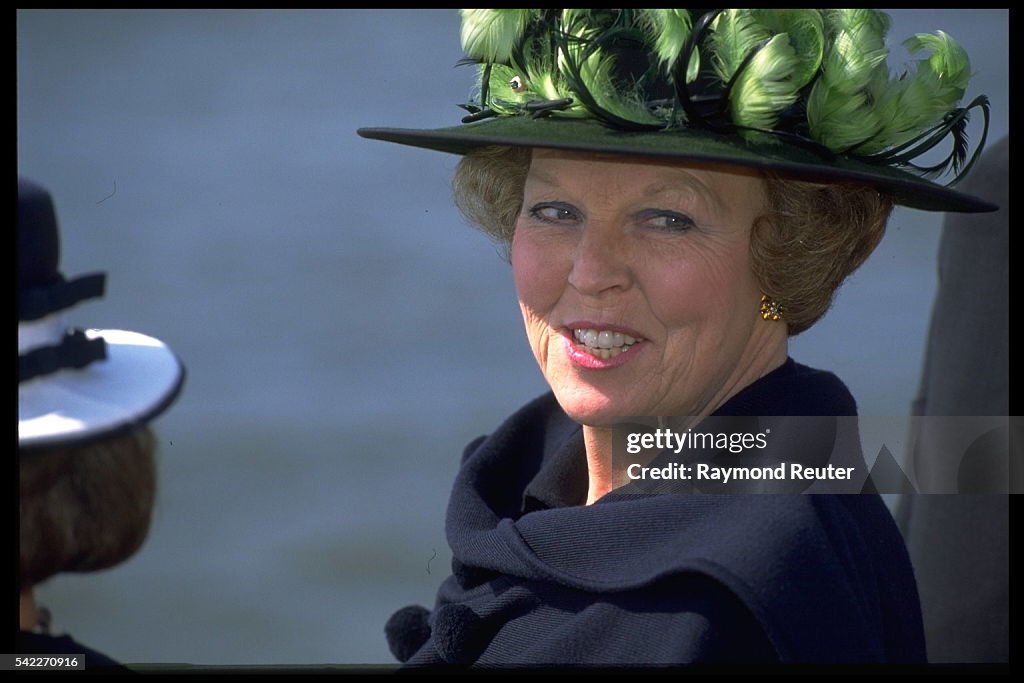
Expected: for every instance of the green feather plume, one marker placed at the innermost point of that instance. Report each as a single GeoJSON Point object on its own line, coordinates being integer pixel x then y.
{"type": "Point", "coordinates": [806, 31]}
{"type": "Point", "coordinates": [765, 85]}
{"type": "Point", "coordinates": [539, 68]}
{"type": "Point", "coordinates": [948, 67]}
{"type": "Point", "coordinates": [667, 30]}
{"type": "Point", "coordinates": [734, 34]}
{"type": "Point", "coordinates": [502, 97]}
{"type": "Point", "coordinates": [490, 35]}
{"type": "Point", "coordinates": [589, 68]}
{"type": "Point", "coordinates": [841, 110]}
{"type": "Point", "coordinates": [917, 100]}
{"type": "Point", "coordinates": [533, 77]}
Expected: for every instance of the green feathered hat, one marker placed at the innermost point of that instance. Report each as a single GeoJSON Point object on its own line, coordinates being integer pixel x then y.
{"type": "Point", "coordinates": [801, 91]}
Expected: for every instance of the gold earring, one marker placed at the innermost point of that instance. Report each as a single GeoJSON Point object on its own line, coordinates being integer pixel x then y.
{"type": "Point", "coordinates": [771, 309]}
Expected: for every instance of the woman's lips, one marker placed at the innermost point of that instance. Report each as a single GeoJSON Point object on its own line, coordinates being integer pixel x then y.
{"type": "Point", "coordinates": [595, 346]}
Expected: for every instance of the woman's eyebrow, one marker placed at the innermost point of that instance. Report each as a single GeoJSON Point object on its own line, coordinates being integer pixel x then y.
{"type": "Point", "coordinates": [679, 180]}
{"type": "Point", "coordinates": [539, 175]}
{"type": "Point", "coordinates": [684, 183]}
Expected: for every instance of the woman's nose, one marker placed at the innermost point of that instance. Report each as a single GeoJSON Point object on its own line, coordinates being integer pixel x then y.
{"type": "Point", "coordinates": [600, 262]}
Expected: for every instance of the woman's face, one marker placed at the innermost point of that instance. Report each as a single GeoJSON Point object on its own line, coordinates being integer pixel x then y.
{"type": "Point", "coordinates": [635, 284]}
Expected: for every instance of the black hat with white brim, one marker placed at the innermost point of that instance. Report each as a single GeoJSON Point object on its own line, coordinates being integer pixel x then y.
{"type": "Point", "coordinates": [77, 385]}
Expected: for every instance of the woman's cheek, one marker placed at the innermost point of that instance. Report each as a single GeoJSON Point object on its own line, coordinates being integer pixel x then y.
{"type": "Point", "coordinates": [535, 272]}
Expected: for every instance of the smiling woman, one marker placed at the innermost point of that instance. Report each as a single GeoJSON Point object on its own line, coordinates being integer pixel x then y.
{"type": "Point", "coordinates": [610, 248]}
{"type": "Point", "coordinates": [652, 250]}
{"type": "Point", "coordinates": [697, 238]}
{"type": "Point", "coordinates": [679, 194]}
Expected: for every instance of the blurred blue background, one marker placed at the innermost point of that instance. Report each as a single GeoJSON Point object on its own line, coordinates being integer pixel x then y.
{"type": "Point", "coordinates": [345, 333]}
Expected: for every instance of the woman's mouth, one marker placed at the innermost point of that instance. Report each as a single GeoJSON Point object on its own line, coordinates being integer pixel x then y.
{"type": "Point", "coordinates": [603, 344]}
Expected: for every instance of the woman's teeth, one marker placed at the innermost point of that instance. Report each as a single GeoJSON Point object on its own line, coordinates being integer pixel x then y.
{"type": "Point", "coordinates": [603, 344]}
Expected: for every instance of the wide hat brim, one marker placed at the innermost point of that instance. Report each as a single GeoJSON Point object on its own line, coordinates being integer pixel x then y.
{"type": "Point", "coordinates": [683, 145]}
{"type": "Point", "coordinates": [137, 381]}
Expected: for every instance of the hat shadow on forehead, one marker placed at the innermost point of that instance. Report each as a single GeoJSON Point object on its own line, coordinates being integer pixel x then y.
{"type": "Point", "coordinates": [76, 385]}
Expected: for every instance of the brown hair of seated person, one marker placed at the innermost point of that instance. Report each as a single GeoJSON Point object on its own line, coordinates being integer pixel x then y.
{"type": "Point", "coordinates": [82, 508]}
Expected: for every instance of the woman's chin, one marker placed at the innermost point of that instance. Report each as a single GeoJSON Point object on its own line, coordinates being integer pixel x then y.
{"type": "Point", "coordinates": [596, 410]}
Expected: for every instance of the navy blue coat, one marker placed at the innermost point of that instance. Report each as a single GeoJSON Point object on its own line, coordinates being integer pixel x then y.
{"type": "Point", "coordinates": [540, 579]}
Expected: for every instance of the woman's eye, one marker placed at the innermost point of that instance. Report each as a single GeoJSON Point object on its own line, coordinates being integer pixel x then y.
{"type": "Point", "coordinates": [554, 213]}
{"type": "Point", "coordinates": [671, 221]}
